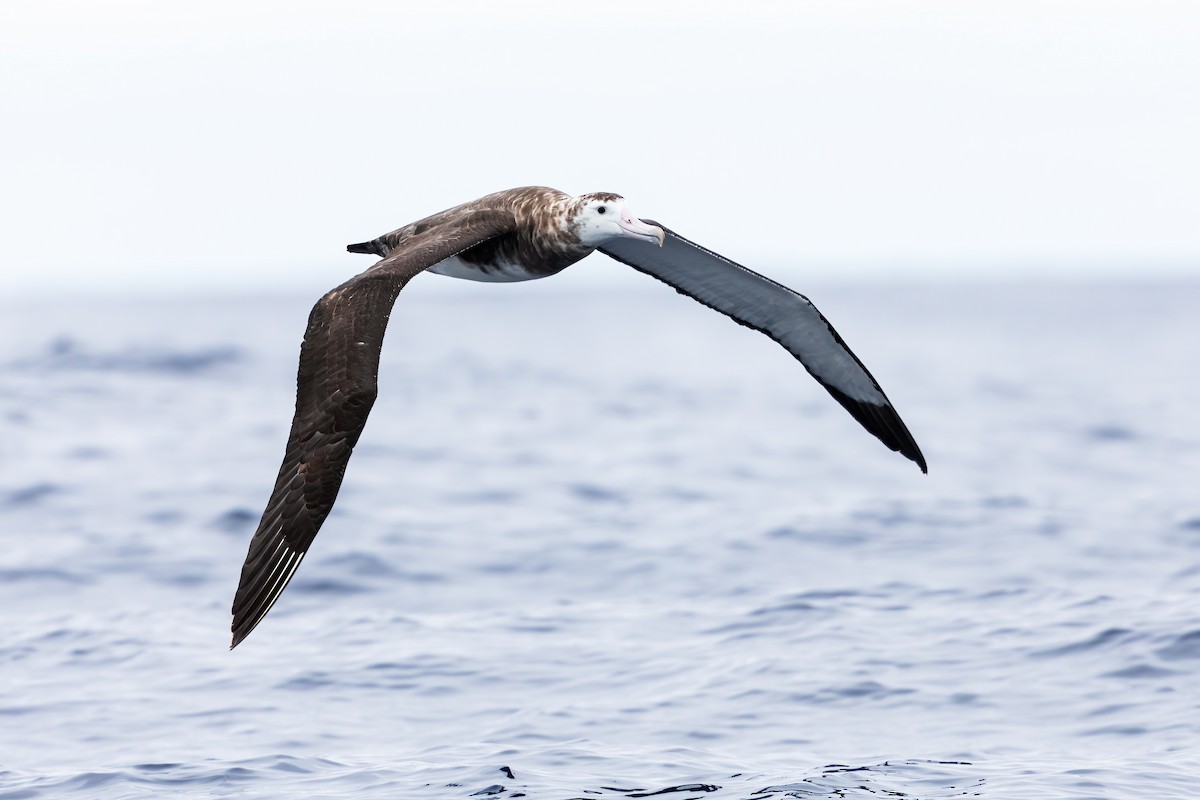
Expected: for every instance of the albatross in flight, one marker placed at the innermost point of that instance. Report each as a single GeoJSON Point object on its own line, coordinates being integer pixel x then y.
{"type": "Point", "coordinates": [515, 235]}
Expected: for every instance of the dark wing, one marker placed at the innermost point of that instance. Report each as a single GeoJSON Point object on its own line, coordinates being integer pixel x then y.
{"type": "Point", "coordinates": [335, 388]}
{"type": "Point", "coordinates": [787, 317]}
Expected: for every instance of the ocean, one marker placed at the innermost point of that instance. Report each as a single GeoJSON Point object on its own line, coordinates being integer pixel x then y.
{"type": "Point", "coordinates": [600, 542]}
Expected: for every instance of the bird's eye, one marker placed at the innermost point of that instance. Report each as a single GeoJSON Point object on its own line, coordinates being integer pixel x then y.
{"type": "Point", "coordinates": [601, 210]}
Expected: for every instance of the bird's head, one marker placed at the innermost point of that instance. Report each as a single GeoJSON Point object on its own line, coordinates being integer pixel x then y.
{"type": "Point", "coordinates": [600, 217]}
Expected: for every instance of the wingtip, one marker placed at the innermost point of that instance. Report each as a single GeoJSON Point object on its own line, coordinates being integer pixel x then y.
{"type": "Point", "coordinates": [907, 447]}
{"type": "Point", "coordinates": [236, 637]}
{"type": "Point", "coordinates": [914, 454]}
{"type": "Point", "coordinates": [240, 633]}
{"type": "Point", "coordinates": [882, 422]}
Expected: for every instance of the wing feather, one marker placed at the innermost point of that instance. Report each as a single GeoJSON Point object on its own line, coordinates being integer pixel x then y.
{"type": "Point", "coordinates": [782, 314]}
{"type": "Point", "coordinates": [336, 386]}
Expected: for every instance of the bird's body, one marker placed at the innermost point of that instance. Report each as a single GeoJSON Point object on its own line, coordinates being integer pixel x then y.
{"type": "Point", "coordinates": [515, 235]}
{"type": "Point", "coordinates": [540, 245]}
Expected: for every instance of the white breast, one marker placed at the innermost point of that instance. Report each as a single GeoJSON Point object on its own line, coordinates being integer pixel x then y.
{"type": "Point", "coordinates": [502, 272]}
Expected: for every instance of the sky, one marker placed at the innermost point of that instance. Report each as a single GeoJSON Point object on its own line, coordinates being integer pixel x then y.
{"type": "Point", "coordinates": [154, 146]}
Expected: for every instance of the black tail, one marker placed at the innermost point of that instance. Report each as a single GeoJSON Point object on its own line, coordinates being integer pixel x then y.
{"type": "Point", "coordinates": [373, 247]}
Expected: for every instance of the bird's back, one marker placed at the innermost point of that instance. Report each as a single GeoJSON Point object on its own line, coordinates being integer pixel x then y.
{"type": "Point", "coordinates": [542, 244]}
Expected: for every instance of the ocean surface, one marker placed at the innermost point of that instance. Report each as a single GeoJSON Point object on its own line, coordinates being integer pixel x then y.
{"type": "Point", "coordinates": [603, 543]}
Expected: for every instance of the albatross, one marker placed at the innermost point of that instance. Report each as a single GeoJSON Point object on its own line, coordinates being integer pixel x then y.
{"type": "Point", "coordinates": [515, 235]}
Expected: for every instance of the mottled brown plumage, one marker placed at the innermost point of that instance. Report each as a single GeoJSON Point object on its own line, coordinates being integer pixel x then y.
{"type": "Point", "coordinates": [541, 239]}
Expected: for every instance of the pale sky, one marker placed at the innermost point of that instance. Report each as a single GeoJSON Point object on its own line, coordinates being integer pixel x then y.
{"type": "Point", "coordinates": [239, 145]}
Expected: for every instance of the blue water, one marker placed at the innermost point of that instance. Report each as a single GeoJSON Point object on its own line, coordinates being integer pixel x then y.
{"type": "Point", "coordinates": [606, 544]}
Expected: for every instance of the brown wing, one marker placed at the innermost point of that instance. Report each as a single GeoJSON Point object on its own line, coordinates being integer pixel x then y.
{"type": "Point", "coordinates": [335, 389]}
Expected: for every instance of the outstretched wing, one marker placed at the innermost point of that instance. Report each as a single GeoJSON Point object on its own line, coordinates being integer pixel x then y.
{"type": "Point", "coordinates": [335, 389]}
{"type": "Point", "coordinates": [787, 317]}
